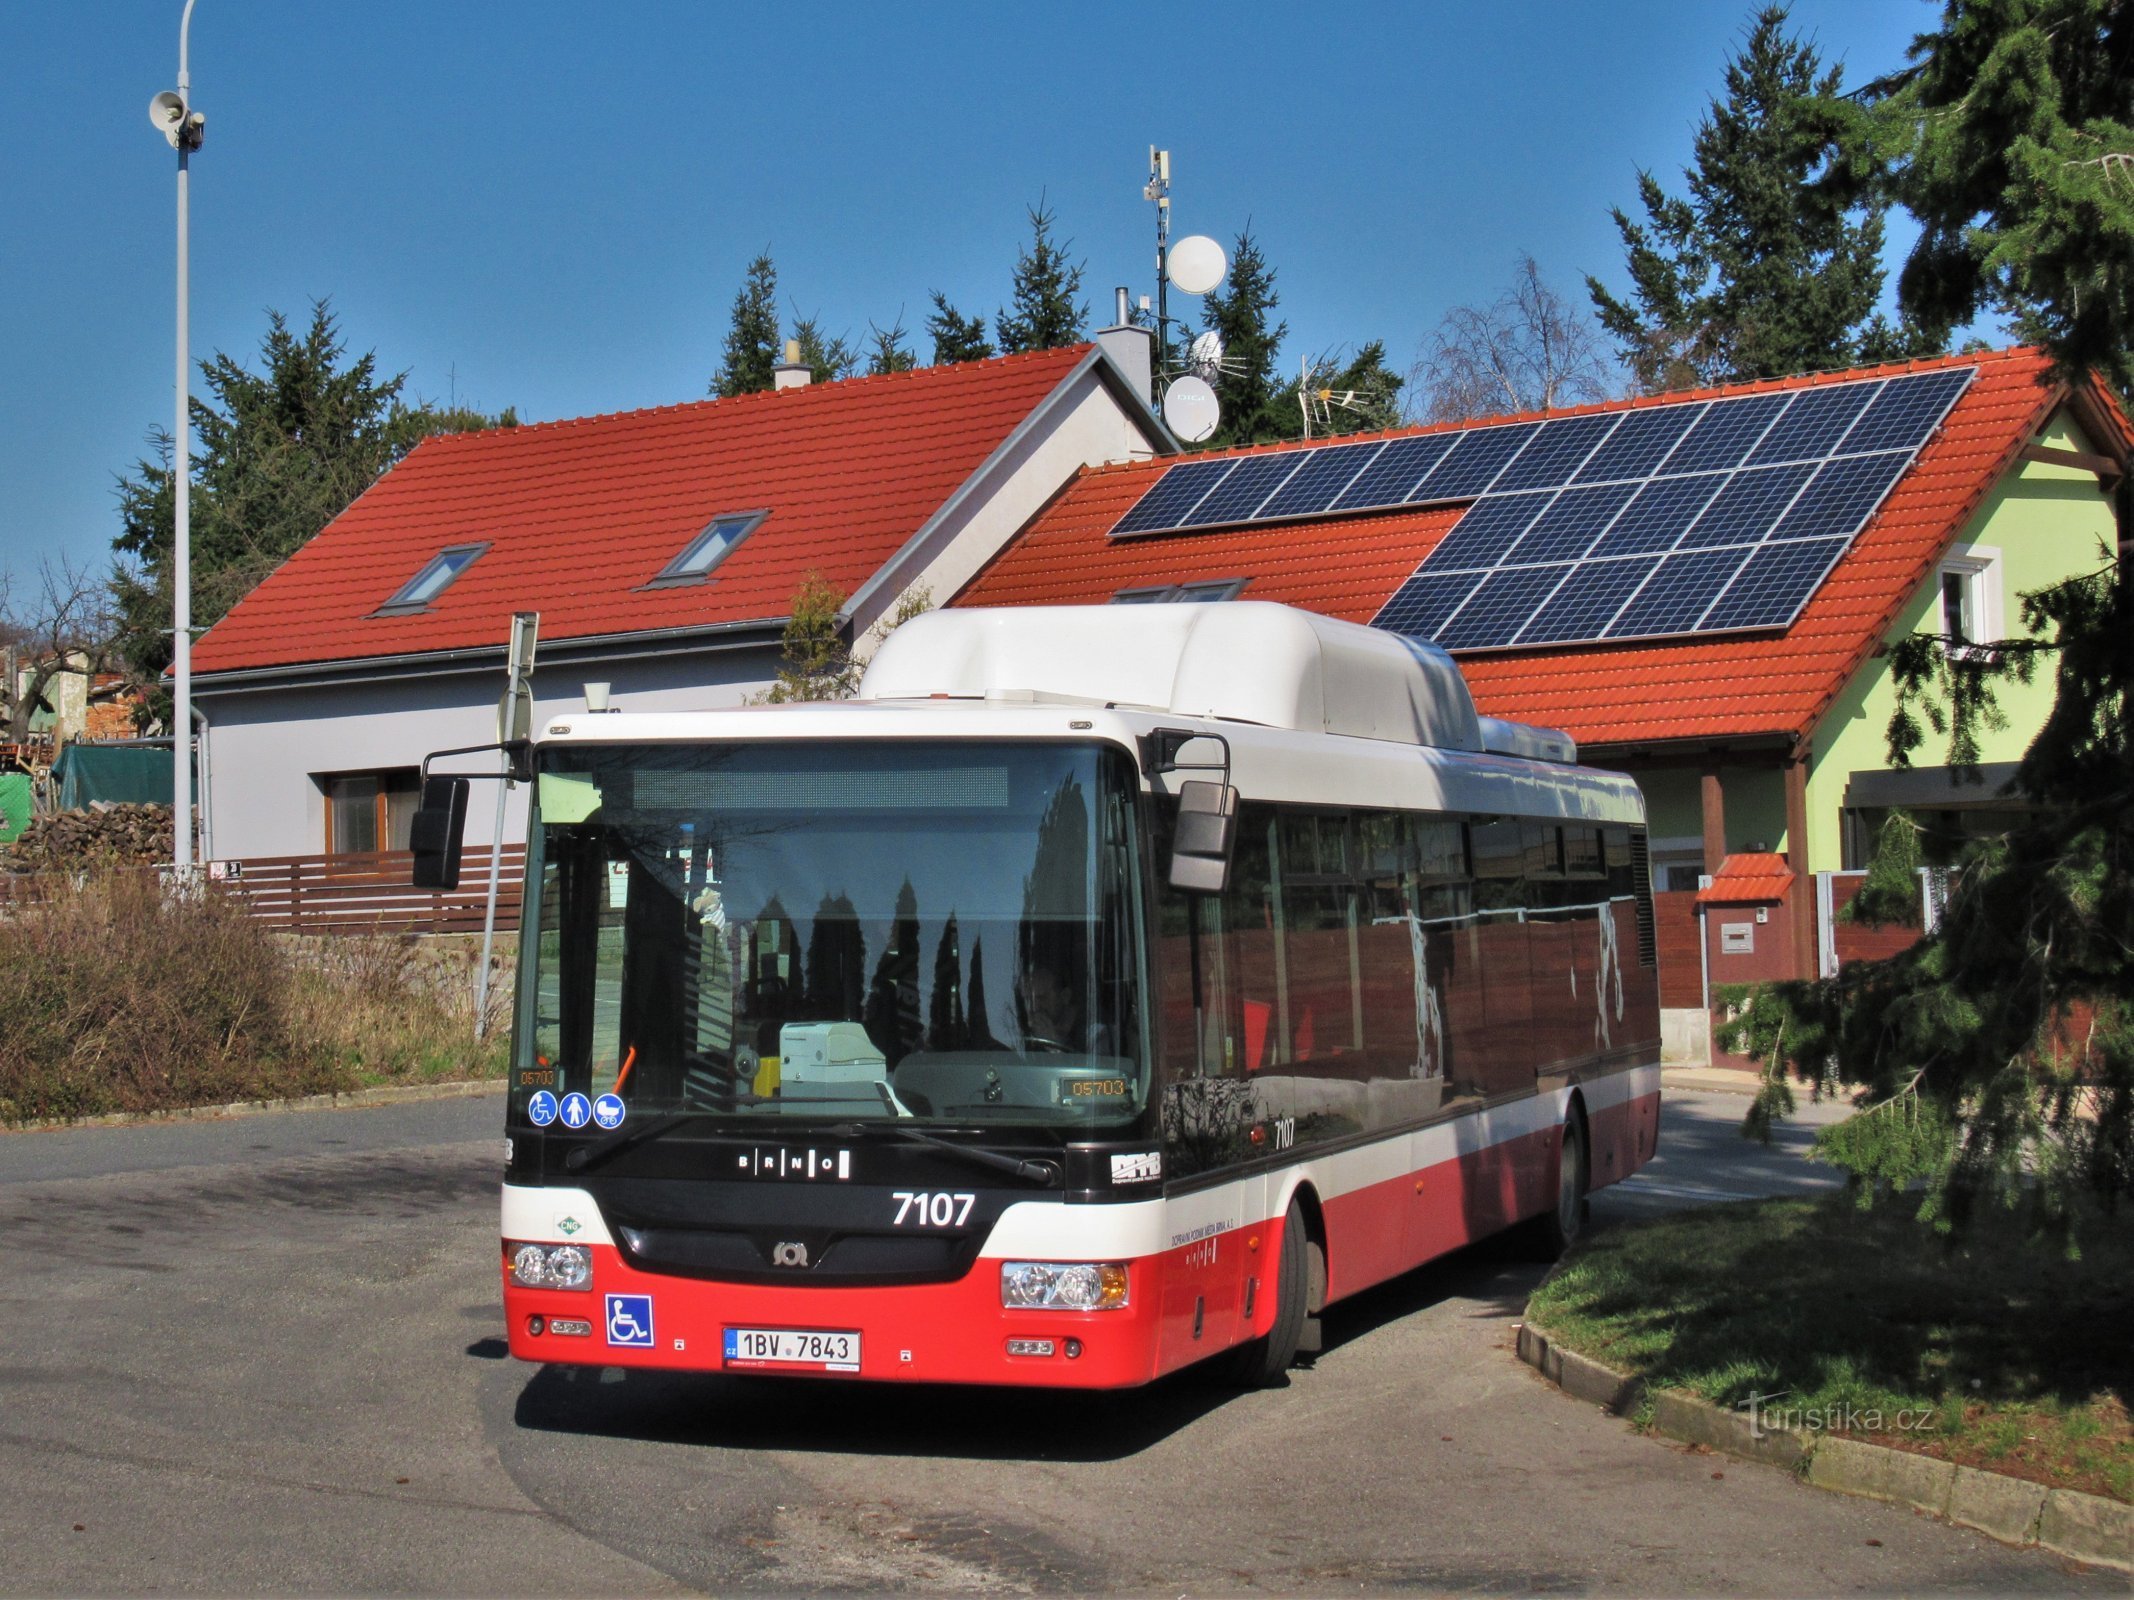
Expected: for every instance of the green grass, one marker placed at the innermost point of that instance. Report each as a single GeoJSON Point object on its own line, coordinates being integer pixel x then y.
{"type": "Point", "coordinates": [1997, 1349]}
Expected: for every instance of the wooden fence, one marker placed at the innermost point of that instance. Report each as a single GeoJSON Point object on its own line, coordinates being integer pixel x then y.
{"type": "Point", "coordinates": [370, 893]}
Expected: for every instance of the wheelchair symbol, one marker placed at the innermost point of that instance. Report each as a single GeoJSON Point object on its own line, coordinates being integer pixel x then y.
{"type": "Point", "coordinates": [630, 1320]}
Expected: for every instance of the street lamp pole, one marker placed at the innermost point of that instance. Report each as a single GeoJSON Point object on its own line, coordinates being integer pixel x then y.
{"type": "Point", "coordinates": [183, 128]}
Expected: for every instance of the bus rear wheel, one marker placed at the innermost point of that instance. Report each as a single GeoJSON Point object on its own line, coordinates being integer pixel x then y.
{"type": "Point", "coordinates": [1265, 1359]}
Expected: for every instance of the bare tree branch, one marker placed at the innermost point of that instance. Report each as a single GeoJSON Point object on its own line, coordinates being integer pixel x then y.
{"type": "Point", "coordinates": [1530, 350]}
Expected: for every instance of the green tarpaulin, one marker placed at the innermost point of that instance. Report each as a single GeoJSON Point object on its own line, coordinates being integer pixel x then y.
{"type": "Point", "coordinates": [127, 773]}
{"type": "Point", "coordinates": [14, 804]}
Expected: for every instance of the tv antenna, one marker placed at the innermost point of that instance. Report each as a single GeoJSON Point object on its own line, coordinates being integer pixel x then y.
{"type": "Point", "coordinates": [1319, 400]}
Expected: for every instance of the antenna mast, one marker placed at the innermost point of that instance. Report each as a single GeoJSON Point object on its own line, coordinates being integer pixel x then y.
{"type": "Point", "coordinates": [1158, 189]}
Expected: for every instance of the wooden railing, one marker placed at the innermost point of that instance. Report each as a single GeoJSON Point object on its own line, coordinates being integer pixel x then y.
{"type": "Point", "coordinates": [370, 893]}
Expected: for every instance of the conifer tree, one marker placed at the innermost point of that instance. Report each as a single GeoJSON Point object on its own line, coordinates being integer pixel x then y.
{"type": "Point", "coordinates": [2021, 114]}
{"type": "Point", "coordinates": [1360, 395]}
{"type": "Point", "coordinates": [1043, 313]}
{"type": "Point", "coordinates": [282, 450]}
{"type": "Point", "coordinates": [1250, 389]}
{"type": "Point", "coordinates": [889, 350]}
{"type": "Point", "coordinates": [827, 356]}
{"type": "Point", "coordinates": [751, 350]}
{"type": "Point", "coordinates": [956, 337]}
{"type": "Point", "coordinates": [1995, 1059]}
{"type": "Point", "coordinates": [1771, 263]}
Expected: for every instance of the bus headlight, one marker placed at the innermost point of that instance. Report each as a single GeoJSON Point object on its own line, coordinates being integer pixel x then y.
{"type": "Point", "coordinates": [551, 1266]}
{"type": "Point", "coordinates": [1062, 1285]}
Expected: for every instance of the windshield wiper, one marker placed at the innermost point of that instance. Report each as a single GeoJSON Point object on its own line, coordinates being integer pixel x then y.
{"type": "Point", "coordinates": [1041, 1172]}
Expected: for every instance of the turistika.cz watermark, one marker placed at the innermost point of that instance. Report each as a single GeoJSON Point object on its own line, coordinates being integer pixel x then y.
{"type": "Point", "coordinates": [1766, 1417]}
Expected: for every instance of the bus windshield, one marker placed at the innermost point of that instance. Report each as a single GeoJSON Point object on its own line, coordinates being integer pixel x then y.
{"type": "Point", "coordinates": [936, 931]}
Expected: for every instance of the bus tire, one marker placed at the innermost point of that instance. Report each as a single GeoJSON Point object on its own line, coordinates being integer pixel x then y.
{"type": "Point", "coordinates": [1263, 1361]}
{"type": "Point", "coordinates": [1558, 1228]}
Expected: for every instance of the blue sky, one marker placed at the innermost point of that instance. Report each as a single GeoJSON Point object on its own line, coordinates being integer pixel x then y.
{"type": "Point", "coordinates": [550, 205]}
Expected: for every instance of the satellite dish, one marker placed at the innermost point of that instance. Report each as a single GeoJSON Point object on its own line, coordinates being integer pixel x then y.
{"type": "Point", "coordinates": [1190, 409]}
{"type": "Point", "coordinates": [1196, 263]}
{"type": "Point", "coordinates": [1204, 356]}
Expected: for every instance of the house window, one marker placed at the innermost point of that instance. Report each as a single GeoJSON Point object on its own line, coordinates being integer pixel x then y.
{"type": "Point", "coordinates": [708, 548]}
{"type": "Point", "coordinates": [1189, 593]}
{"type": "Point", "coordinates": [436, 576]}
{"type": "Point", "coordinates": [1968, 606]}
{"type": "Point", "coordinates": [369, 811]}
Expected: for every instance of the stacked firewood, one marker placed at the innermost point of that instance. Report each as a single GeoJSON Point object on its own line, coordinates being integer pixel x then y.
{"type": "Point", "coordinates": [107, 834]}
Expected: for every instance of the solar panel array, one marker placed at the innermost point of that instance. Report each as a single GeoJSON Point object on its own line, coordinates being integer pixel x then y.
{"type": "Point", "coordinates": [1699, 517]}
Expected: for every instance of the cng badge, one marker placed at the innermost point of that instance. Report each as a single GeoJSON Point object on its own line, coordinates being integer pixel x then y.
{"type": "Point", "coordinates": [630, 1320]}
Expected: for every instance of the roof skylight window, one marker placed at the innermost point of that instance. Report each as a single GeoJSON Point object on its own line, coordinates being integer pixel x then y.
{"type": "Point", "coordinates": [436, 576]}
{"type": "Point", "coordinates": [709, 548]}
{"type": "Point", "coordinates": [1187, 593]}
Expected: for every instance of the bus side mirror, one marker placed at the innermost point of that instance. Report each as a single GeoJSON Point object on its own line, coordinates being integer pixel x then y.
{"type": "Point", "coordinates": [1202, 841]}
{"type": "Point", "coordinates": [437, 832]}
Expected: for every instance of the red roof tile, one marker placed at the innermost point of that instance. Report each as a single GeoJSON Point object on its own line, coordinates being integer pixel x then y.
{"type": "Point", "coordinates": [1776, 685]}
{"type": "Point", "coordinates": [1749, 876]}
{"type": "Point", "coordinates": [580, 514]}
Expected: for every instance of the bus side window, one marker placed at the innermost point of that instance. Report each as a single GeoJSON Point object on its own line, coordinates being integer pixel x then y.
{"type": "Point", "coordinates": [1502, 898]}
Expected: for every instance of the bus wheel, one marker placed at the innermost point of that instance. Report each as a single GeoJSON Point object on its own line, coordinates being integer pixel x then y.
{"type": "Point", "coordinates": [1556, 1230]}
{"type": "Point", "coordinates": [1264, 1360]}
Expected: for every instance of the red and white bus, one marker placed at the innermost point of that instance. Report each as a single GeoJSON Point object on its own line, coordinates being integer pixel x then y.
{"type": "Point", "coordinates": [1105, 990]}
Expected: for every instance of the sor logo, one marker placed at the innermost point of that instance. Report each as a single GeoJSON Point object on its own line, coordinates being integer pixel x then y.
{"type": "Point", "coordinates": [789, 1255]}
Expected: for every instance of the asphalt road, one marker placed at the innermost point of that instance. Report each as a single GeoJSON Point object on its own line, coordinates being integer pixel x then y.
{"type": "Point", "coordinates": [264, 1354]}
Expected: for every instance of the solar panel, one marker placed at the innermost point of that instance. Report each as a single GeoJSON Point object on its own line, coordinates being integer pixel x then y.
{"type": "Point", "coordinates": [1842, 494]}
{"type": "Point", "coordinates": [1250, 480]}
{"type": "Point", "coordinates": [1396, 470]}
{"type": "Point", "coordinates": [1500, 607]}
{"type": "Point", "coordinates": [1174, 494]}
{"type": "Point", "coordinates": [1655, 519]}
{"type": "Point", "coordinates": [1324, 475]}
{"type": "Point", "coordinates": [1487, 531]}
{"type": "Point", "coordinates": [1474, 462]}
{"type": "Point", "coordinates": [1554, 455]}
{"type": "Point", "coordinates": [1581, 607]}
{"type": "Point", "coordinates": [1691, 516]}
{"type": "Point", "coordinates": [1573, 521]}
{"type": "Point", "coordinates": [1725, 434]}
{"type": "Point", "coordinates": [1422, 604]}
{"type": "Point", "coordinates": [1748, 507]}
{"type": "Point", "coordinates": [1681, 587]}
{"type": "Point", "coordinates": [1813, 424]}
{"type": "Point", "coordinates": [1906, 411]}
{"type": "Point", "coordinates": [1640, 444]}
{"type": "Point", "coordinates": [1773, 584]}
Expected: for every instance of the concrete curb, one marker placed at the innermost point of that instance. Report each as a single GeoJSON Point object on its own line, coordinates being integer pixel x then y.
{"type": "Point", "coordinates": [1710, 1080]}
{"type": "Point", "coordinates": [354, 1099]}
{"type": "Point", "coordinates": [2082, 1527]}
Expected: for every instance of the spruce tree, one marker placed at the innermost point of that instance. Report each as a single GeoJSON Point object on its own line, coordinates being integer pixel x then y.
{"type": "Point", "coordinates": [1250, 389]}
{"type": "Point", "coordinates": [1771, 263]}
{"type": "Point", "coordinates": [1360, 395]}
{"type": "Point", "coordinates": [1043, 314]}
{"type": "Point", "coordinates": [956, 337]}
{"type": "Point", "coordinates": [889, 350]}
{"type": "Point", "coordinates": [2022, 174]}
{"type": "Point", "coordinates": [828, 356]}
{"type": "Point", "coordinates": [1994, 1060]}
{"type": "Point", "coordinates": [281, 451]}
{"type": "Point", "coordinates": [751, 350]}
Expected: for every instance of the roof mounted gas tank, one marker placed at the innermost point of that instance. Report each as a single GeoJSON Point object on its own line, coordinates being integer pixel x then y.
{"type": "Point", "coordinates": [1242, 661]}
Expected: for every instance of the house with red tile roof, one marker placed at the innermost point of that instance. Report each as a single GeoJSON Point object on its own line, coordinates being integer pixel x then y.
{"type": "Point", "coordinates": [662, 550]}
{"type": "Point", "coordinates": [1760, 739]}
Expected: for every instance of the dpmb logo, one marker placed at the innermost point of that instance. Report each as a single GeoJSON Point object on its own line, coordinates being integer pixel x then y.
{"type": "Point", "coordinates": [630, 1320]}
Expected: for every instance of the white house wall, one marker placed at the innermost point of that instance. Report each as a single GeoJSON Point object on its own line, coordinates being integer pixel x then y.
{"type": "Point", "coordinates": [267, 748]}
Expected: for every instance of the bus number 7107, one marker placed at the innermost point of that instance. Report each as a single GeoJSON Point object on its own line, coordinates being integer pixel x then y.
{"type": "Point", "coordinates": [922, 1210]}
